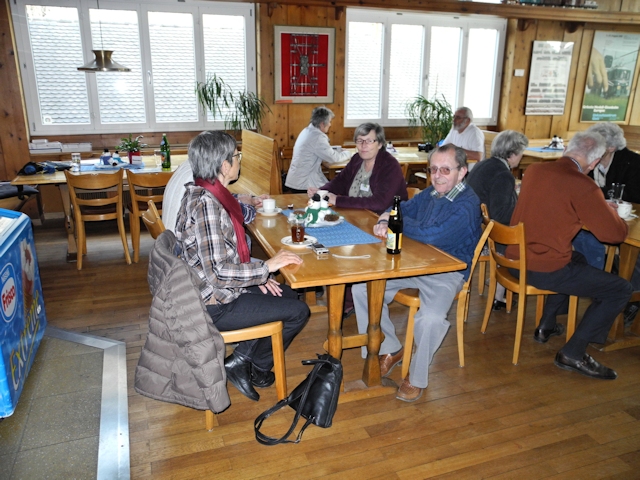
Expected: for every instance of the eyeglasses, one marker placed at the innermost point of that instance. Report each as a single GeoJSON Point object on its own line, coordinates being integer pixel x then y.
{"type": "Point", "coordinates": [238, 156]}
{"type": "Point", "coordinates": [443, 170]}
{"type": "Point", "coordinates": [367, 141]}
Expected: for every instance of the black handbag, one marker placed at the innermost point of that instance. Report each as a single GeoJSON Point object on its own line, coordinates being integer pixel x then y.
{"type": "Point", "coordinates": [316, 399]}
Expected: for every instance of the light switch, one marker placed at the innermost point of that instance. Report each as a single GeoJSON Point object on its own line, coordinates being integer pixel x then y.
{"type": "Point", "coordinates": [519, 72]}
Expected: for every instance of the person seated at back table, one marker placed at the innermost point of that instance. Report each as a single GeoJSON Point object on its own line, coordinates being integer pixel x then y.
{"type": "Point", "coordinates": [466, 135]}
{"type": "Point", "coordinates": [447, 216]}
{"type": "Point", "coordinates": [495, 185]}
{"type": "Point", "coordinates": [371, 179]}
{"type": "Point", "coordinates": [238, 293]}
{"type": "Point", "coordinates": [311, 149]}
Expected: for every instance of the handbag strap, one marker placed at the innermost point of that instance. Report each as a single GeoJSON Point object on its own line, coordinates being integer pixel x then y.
{"type": "Point", "coordinates": [267, 440]}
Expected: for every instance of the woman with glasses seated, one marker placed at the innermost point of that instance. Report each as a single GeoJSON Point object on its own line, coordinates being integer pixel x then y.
{"type": "Point", "coordinates": [371, 178]}
{"type": "Point", "coordinates": [237, 292]}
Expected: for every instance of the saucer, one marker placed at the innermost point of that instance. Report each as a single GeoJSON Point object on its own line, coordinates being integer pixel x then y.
{"type": "Point", "coordinates": [631, 216]}
{"type": "Point", "coordinates": [269, 214]}
{"type": "Point", "coordinates": [308, 240]}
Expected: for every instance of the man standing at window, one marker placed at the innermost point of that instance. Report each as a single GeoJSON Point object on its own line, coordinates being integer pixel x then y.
{"type": "Point", "coordinates": [466, 135]}
{"type": "Point", "coordinates": [311, 149]}
{"type": "Point", "coordinates": [447, 216]}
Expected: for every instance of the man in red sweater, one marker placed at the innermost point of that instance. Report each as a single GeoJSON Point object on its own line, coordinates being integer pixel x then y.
{"type": "Point", "coordinates": [556, 200]}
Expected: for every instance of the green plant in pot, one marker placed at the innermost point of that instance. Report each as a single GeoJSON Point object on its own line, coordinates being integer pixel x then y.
{"type": "Point", "coordinates": [239, 110]}
{"type": "Point", "coordinates": [434, 117]}
{"type": "Point", "coordinates": [131, 145]}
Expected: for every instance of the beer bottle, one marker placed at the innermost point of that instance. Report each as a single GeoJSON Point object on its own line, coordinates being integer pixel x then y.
{"type": "Point", "coordinates": [165, 150]}
{"type": "Point", "coordinates": [394, 228]}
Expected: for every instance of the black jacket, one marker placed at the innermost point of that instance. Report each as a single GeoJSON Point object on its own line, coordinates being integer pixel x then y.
{"type": "Point", "coordinates": [625, 168]}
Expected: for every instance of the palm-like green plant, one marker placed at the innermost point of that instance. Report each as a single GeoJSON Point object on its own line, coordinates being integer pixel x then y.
{"type": "Point", "coordinates": [434, 117]}
{"type": "Point", "coordinates": [130, 144]}
{"type": "Point", "coordinates": [240, 110]}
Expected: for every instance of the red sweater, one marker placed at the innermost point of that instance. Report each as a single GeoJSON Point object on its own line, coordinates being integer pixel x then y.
{"type": "Point", "coordinates": [556, 201]}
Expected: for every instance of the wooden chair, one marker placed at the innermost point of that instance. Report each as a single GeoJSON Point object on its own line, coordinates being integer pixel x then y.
{"type": "Point", "coordinates": [516, 236]}
{"type": "Point", "coordinates": [484, 259]}
{"type": "Point", "coordinates": [152, 220]}
{"type": "Point", "coordinates": [273, 329]}
{"type": "Point", "coordinates": [413, 191]}
{"type": "Point", "coordinates": [14, 197]}
{"type": "Point", "coordinates": [141, 189]}
{"type": "Point", "coordinates": [411, 298]}
{"type": "Point", "coordinates": [96, 209]}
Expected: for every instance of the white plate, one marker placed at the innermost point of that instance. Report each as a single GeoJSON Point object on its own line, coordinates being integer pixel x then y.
{"type": "Point", "coordinates": [308, 240]}
{"type": "Point", "coordinates": [269, 214]}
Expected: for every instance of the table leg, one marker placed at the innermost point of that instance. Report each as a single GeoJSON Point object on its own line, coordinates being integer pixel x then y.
{"type": "Point", "coordinates": [72, 246]}
{"type": "Point", "coordinates": [375, 299]}
{"type": "Point", "coordinates": [335, 301]}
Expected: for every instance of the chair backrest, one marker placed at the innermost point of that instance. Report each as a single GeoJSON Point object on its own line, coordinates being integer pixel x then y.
{"type": "Point", "coordinates": [141, 187]}
{"type": "Point", "coordinates": [509, 236]}
{"type": "Point", "coordinates": [412, 192]}
{"type": "Point", "coordinates": [85, 183]}
{"type": "Point", "coordinates": [152, 220]}
{"type": "Point", "coordinates": [485, 213]}
{"type": "Point", "coordinates": [478, 251]}
{"type": "Point", "coordinates": [260, 172]}
{"type": "Point", "coordinates": [405, 169]}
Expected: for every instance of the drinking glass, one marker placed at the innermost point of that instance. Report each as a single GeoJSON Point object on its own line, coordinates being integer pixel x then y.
{"type": "Point", "coordinates": [615, 192]}
{"type": "Point", "coordinates": [157, 155]}
{"type": "Point", "coordinates": [297, 229]}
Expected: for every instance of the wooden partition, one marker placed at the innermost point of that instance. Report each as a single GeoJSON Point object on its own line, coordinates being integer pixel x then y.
{"type": "Point", "coordinates": [260, 169]}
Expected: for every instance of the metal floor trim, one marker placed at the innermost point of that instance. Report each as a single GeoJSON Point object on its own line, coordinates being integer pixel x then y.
{"type": "Point", "coordinates": [114, 409]}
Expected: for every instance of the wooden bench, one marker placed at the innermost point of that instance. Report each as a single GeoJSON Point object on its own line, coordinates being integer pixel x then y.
{"type": "Point", "coordinates": [260, 168]}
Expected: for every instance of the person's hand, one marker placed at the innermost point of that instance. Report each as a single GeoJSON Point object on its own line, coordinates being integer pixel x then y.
{"type": "Point", "coordinates": [272, 287]}
{"type": "Point", "coordinates": [613, 204]}
{"type": "Point", "coordinates": [245, 198]}
{"type": "Point", "coordinates": [597, 72]}
{"type": "Point", "coordinates": [282, 259]}
{"type": "Point", "coordinates": [311, 191]}
{"type": "Point", "coordinates": [380, 229]}
{"type": "Point", "coordinates": [257, 201]}
{"type": "Point", "coordinates": [332, 198]}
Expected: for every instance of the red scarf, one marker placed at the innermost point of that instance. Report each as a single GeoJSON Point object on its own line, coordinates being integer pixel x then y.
{"type": "Point", "coordinates": [231, 205]}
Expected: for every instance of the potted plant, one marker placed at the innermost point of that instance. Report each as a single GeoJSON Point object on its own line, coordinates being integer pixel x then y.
{"type": "Point", "coordinates": [240, 110]}
{"type": "Point", "coordinates": [434, 117]}
{"type": "Point", "coordinates": [131, 146]}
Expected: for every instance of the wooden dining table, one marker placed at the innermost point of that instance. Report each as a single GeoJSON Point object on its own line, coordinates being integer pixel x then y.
{"type": "Point", "coordinates": [348, 264]}
{"type": "Point", "coordinates": [59, 180]}
{"type": "Point", "coordinates": [628, 256]}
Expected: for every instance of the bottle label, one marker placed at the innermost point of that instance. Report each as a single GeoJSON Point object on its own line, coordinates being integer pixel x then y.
{"type": "Point", "coordinates": [394, 240]}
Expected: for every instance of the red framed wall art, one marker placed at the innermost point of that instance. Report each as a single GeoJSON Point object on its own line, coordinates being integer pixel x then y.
{"type": "Point", "coordinates": [304, 64]}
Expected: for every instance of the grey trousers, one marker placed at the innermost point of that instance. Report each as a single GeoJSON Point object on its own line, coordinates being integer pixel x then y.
{"type": "Point", "coordinates": [436, 295]}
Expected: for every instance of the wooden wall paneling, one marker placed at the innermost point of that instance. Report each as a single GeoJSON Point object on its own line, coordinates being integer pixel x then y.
{"type": "Point", "coordinates": [340, 76]}
{"type": "Point", "coordinates": [580, 80]}
{"type": "Point", "coordinates": [507, 74]}
{"type": "Point", "coordinates": [560, 123]}
{"type": "Point", "coordinates": [539, 126]}
{"type": "Point", "coordinates": [630, 6]}
{"type": "Point", "coordinates": [13, 130]}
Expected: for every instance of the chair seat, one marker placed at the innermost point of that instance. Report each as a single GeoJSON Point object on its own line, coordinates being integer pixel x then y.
{"type": "Point", "coordinates": [511, 283]}
{"type": "Point", "coordinates": [10, 191]}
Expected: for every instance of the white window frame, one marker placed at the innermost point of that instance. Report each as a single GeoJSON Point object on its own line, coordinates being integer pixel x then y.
{"type": "Point", "coordinates": [196, 8]}
{"type": "Point", "coordinates": [427, 20]}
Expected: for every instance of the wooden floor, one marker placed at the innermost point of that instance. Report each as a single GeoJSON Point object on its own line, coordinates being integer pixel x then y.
{"type": "Point", "coordinates": [488, 420]}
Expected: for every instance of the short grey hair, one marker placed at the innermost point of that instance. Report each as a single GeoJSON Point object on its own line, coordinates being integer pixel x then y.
{"type": "Point", "coordinates": [507, 143]}
{"type": "Point", "coordinates": [612, 133]}
{"type": "Point", "coordinates": [589, 144]}
{"type": "Point", "coordinates": [208, 151]}
{"type": "Point", "coordinates": [364, 129]}
{"type": "Point", "coordinates": [321, 115]}
{"type": "Point", "coordinates": [459, 154]}
{"type": "Point", "coordinates": [467, 112]}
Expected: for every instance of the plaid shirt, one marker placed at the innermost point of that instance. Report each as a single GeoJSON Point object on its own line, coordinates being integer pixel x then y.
{"type": "Point", "coordinates": [453, 193]}
{"type": "Point", "coordinates": [209, 244]}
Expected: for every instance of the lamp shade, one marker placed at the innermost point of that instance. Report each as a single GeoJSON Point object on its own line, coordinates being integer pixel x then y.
{"type": "Point", "coordinates": [103, 63]}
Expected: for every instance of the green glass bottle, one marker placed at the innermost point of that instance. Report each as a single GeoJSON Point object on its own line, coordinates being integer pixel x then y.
{"type": "Point", "coordinates": [165, 150]}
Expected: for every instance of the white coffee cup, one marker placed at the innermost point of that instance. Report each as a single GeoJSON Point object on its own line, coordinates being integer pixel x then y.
{"type": "Point", "coordinates": [624, 209]}
{"type": "Point", "coordinates": [322, 193]}
{"type": "Point", "coordinates": [268, 205]}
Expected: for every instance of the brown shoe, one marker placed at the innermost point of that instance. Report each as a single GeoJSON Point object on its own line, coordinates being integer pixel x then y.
{"type": "Point", "coordinates": [408, 393]}
{"type": "Point", "coordinates": [389, 361]}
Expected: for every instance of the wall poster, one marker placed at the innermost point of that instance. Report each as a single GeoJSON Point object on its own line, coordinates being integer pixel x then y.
{"type": "Point", "coordinates": [549, 78]}
{"type": "Point", "coordinates": [611, 70]}
{"type": "Point", "coordinates": [304, 64]}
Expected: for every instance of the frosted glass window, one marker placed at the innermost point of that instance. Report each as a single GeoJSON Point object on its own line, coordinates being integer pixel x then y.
{"type": "Point", "coordinates": [61, 88]}
{"type": "Point", "coordinates": [364, 70]}
{"type": "Point", "coordinates": [444, 64]}
{"type": "Point", "coordinates": [120, 94]}
{"type": "Point", "coordinates": [481, 65]}
{"type": "Point", "coordinates": [224, 50]}
{"type": "Point", "coordinates": [173, 66]}
{"type": "Point", "coordinates": [405, 67]}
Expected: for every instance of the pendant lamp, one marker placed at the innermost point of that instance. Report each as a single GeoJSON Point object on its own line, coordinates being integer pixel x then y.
{"type": "Point", "coordinates": [103, 62]}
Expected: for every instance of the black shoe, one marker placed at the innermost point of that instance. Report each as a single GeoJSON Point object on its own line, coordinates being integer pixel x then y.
{"type": "Point", "coordinates": [543, 336]}
{"type": "Point", "coordinates": [498, 305]}
{"type": "Point", "coordinates": [587, 366]}
{"type": "Point", "coordinates": [630, 313]}
{"type": "Point", "coordinates": [262, 379]}
{"type": "Point", "coordinates": [239, 374]}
